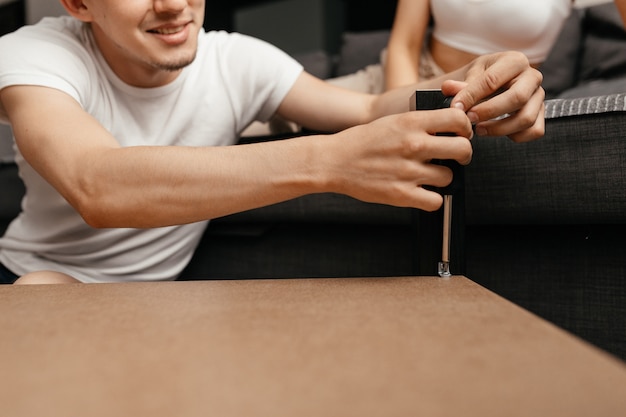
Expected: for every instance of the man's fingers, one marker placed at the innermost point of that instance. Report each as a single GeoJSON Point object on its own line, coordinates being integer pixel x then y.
{"type": "Point", "coordinates": [427, 200]}
{"type": "Point", "coordinates": [456, 148]}
{"type": "Point", "coordinates": [451, 130]}
{"type": "Point", "coordinates": [441, 121]}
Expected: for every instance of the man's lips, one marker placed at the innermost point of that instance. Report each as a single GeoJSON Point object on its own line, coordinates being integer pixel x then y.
{"type": "Point", "coordinates": [168, 30]}
{"type": "Point", "coordinates": [174, 34]}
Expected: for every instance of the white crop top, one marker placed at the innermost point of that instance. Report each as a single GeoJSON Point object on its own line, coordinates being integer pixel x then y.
{"type": "Point", "coordinates": [488, 26]}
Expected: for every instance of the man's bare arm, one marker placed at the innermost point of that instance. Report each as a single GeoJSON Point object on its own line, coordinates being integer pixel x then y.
{"type": "Point", "coordinates": [489, 87]}
{"type": "Point", "coordinates": [111, 186]}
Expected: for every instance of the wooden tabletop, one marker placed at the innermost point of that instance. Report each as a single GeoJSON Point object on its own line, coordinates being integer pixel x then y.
{"type": "Point", "coordinates": [387, 347]}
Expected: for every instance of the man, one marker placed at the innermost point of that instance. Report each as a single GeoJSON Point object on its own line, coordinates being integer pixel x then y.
{"type": "Point", "coordinates": [119, 110]}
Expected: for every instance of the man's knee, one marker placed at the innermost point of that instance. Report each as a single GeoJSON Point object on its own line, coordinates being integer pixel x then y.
{"type": "Point", "coordinates": [45, 277]}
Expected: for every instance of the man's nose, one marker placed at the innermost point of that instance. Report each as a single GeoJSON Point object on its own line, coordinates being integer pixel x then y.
{"type": "Point", "coordinates": [169, 6]}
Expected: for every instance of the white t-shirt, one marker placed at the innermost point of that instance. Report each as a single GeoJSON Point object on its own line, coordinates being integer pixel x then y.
{"type": "Point", "coordinates": [233, 81]}
{"type": "Point", "coordinates": [487, 26]}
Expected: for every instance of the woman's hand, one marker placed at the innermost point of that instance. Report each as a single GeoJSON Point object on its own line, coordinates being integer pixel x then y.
{"type": "Point", "coordinates": [502, 96]}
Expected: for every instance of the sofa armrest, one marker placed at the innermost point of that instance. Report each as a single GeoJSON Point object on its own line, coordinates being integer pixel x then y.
{"type": "Point", "coordinates": [575, 174]}
{"type": "Point", "coordinates": [557, 108]}
{"type": "Point", "coordinates": [12, 193]}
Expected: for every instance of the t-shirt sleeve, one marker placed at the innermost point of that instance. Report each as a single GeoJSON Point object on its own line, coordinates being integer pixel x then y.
{"type": "Point", "coordinates": [42, 56]}
{"type": "Point", "coordinates": [259, 74]}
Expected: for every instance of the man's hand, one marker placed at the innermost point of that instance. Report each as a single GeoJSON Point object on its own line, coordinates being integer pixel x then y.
{"type": "Point", "coordinates": [502, 95]}
{"type": "Point", "coordinates": [388, 161]}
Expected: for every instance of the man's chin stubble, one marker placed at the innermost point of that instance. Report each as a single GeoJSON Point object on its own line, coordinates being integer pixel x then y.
{"type": "Point", "coordinates": [174, 66]}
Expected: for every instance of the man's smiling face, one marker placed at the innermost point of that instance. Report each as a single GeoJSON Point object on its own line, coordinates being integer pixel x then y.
{"type": "Point", "coordinates": [146, 42]}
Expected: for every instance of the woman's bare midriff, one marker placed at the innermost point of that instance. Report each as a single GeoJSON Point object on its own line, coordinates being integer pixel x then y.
{"type": "Point", "coordinates": [449, 58]}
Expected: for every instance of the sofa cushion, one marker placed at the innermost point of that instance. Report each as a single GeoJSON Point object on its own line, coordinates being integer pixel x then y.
{"type": "Point", "coordinates": [574, 175]}
{"type": "Point", "coordinates": [560, 67]}
{"type": "Point", "coordinates": [604, 45]}
{"type": "Point", "coordinates": [360, 49]}
{"type": "Point", "coordinates": [318, 63]}
{"type": "Point", "coordinates": [324, 208]}
{"type": "Point", "coordinates": [12, 193]}
{"type": "Point", "coordinates": [596, 88]}
{"type": "Point", "coordinates": [7, 154]}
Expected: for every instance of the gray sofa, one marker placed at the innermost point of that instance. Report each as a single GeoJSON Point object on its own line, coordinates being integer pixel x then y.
{"type": "Point", "coordinates": [543, 222]}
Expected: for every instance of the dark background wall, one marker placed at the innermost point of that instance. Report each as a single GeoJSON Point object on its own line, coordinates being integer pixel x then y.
{"type": "Point", "coordinates": [357, 15]}
{"type": "Point", "coordinates": [301, 26]}
{"type": "Point", "coordinates": [360, 15]}
{"type": "Point", "coordinates": [12, 16]}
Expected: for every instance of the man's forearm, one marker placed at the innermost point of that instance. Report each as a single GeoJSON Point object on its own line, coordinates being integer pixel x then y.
{"type": "Point", "coordinates": [162, 186]}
